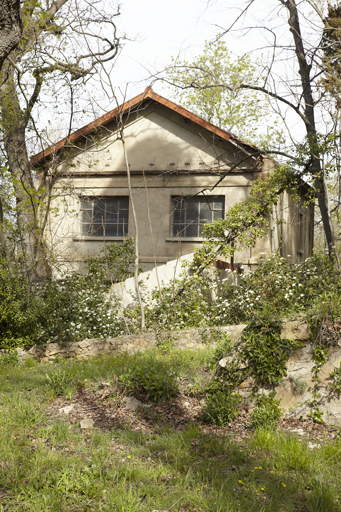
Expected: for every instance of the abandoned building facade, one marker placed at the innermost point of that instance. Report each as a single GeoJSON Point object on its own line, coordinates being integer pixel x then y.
{"type": "Point", "coordinates": [185, 172]}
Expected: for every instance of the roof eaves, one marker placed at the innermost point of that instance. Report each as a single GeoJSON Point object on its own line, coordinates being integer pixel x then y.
{"type": "Point", "coordinates": [126, 107]}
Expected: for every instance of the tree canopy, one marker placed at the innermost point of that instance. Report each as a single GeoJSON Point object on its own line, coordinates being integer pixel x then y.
{"type": "Point", "coordinates": [62, 47]}
{"type": "Point", "coordinates": [197, 86]}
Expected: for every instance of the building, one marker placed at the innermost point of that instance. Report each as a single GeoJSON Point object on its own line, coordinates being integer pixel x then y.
{"type": "Point", "coordinates": [184, 171]}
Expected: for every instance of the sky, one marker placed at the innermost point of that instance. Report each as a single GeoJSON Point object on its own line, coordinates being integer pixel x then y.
{"type": "Point", "coordinates": [159, 31]}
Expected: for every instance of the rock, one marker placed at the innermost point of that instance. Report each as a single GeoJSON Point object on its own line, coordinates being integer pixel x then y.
{"type": "Point", "coordinates": [296, 330]}
{"type": "Point", "coordinates": [298, 431]}
{"type": "Point", "coordinates": [223, 362]}
{"type": "Point", "coordinates": [226, 360]}
{"type": "Point", "coordinates": [67, 409]}
{"type": "Point", "coordinates": [129, 403]}
{"type": "Point", "coordinates": [22, 354]}
{"type": "Point", "coordinates": [87, 423]}
{"type": "Point", "coordinates": [311, 446]}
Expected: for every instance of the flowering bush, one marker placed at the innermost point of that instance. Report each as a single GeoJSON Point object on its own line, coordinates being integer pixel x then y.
{"type": "Point", "coordinates": [72, 308]}
{"type": "Point", "coordinates": [185, 303]}
{"type": "Point", "coordinates": [275, 287]}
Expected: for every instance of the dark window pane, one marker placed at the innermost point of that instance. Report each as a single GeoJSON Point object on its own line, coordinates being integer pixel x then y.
{"type": "Point", "coordinates": [201, 229]}
{"type": "Point", "coordinates": [97, 230]}
{"type": "Point", "coordinates": [205, 214]}
{"type": "Point", "coordinates": [192, 230]}
{"type": "Point", "coordinates": [111, 230]}
{"type": "Point", "coordinates": [99, 213]}
{"type": "Point", "coordinates": [217, 215]}
{"type": "Point", "coordinates": [111, 217]}
{"type": "Point", "coordinates": [104, 215]}
{"type": "Point", "coordinates": [86, 216]}
{"type": "Point", "coordinates": [179, 215]}
{"type": "Point", "coordinates": [218, 203]}
{"type": "Point", "coordinates": [189, 214]}
{"type": "Point", "coordinates": [178, 230]}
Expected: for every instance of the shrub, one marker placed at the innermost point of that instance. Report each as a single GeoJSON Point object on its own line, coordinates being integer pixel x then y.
{"type": "Point", "coordinates": [150, 377]}
{"type": "Point", "coordinates": [59, 381]}
{"type": "Point", "coordinates": [74, 307]}
{"type": "Point", "coordinates": [277, 287]}
{"type": "Point", "coordinates": [267, 412]}
{"type": "Point", "coordinates": [335, 385]}
{"type": "Point", "coordinates": [184, 303]}
{"type": "Point", "coordinates": [9, 359]}
{"type": "Point", "coordinates": [221, 407]}
{"type": "Point", "coordinates": [265, 352]}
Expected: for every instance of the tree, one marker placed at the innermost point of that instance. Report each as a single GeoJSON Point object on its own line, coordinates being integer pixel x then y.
{"type": "Point", "coordinates": [309, 59]}
{"type": "Point", "coordinates": [10, 27]}
{"type": "Point", "coordinates": [10, 30]}
{"type": "Point", "coordinates": [238, 111]}
{"type": "Point", "coordinates": [62, 45]}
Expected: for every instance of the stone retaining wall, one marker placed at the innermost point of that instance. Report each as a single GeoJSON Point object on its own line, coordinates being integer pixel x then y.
{"type": "Point", "coordinates": [192, 338]}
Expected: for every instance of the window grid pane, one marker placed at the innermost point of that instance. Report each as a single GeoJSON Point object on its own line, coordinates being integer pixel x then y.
{"type": "Point", "coordinates": [104, 216]}
{"type": "Point", "coordinates": [190, 214]}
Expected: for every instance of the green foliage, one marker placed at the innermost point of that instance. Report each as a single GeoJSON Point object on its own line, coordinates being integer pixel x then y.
{"type": "Point", "coordinates": [165, 342]}
{"type": "Point", "coordinates": [246, 221]}
{"type": "Point", "coordinates": [221, 407]}
{"type": "Point", "coordinates": [74, 307]}
{"type": "Point", "coordinates": [59, 381]}
{"type": "Point", "coordinates": [335, 384]}
{"type": "Point", "coordinates": [223, 348]}
{"type": "Point", "coordinates": [114, 263]}
{"type": "Point", "coordinates": [209, 86]}
{"type": "Point", "coordinates": [128, 469]}
{"type": "Point", "coordinates": [278, 288]}
{"type": "Point", "coordinates": [267, 413]}
{"type": "Point", "coordinates": [265, 352]}
{"type": "Point", "coordinates": [9, 358]}
{"type": "Point", "coordinates": [150, 377]}
{"type": "Point", "coordinates": [184, 303]}
{"type": "Point", "coordinates": [320, 356]}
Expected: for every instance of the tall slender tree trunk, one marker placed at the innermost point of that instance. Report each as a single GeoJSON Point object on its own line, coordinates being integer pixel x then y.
{"type": "Point", "coordinates": [316, 169]}
{"type": "Point", "coordinates": [29, 199]}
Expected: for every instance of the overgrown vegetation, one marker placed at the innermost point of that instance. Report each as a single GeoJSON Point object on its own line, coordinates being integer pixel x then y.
{"type": "Point", "coordinates": [267, 413]}
{"type": "Point", "coordinates": [276, 289]}
{"type": "Point", "coordinates": [151, 378]}
{"type": "Point", "coordinates": [49, 463]}
{"type": "Point", "coordinates": [74, 307]}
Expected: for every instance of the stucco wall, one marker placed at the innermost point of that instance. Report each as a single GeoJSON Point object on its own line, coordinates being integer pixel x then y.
{"type": "Point", "coordinates": [177, 159]}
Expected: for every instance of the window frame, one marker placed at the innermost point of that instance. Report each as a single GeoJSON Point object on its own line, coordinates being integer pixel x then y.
{"type": "Point", "coordinates": [114, 221]}
{"type": "Point", "coordinates": [192, 219]}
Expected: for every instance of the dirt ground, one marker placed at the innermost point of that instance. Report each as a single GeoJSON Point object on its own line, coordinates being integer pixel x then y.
{"type": "Point", "coordinates": [108, 408]}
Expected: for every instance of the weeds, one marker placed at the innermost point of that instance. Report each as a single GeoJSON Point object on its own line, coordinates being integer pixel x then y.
{"type": "Point", "coordinates": [221, 407]}
{"type": "Point", "coordinates": [49, 464]}
{"type": "Point", "coordinates": [59, 381]}
{"type": "Point", "coordinates": [151, 378]}
{"type": "Point", "coordinates": [267, 413]}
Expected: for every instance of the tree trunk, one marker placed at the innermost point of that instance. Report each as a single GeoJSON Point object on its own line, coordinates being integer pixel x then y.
{"type": "Point", "coordinates": [309, 112]}
{"type": "Point", "coordinates": [29, 200]}
{"type": "Point", "coordinates": [10, 27]}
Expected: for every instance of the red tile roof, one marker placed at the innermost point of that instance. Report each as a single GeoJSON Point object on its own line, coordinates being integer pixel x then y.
{"type": "Point", "coordinates": [125, 108]}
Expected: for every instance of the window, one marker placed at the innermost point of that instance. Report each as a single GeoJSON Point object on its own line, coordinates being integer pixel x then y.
{"type": "Point", "coordinates": [190, 214]}
{"type": "Point", "coordinates": [104, 216]}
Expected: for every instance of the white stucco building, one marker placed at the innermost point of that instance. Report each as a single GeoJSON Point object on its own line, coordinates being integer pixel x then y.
{"type": "Point", "coordinates": [184, 172]}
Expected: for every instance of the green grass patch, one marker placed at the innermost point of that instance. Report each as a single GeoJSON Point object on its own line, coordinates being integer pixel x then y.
{"type": "Point", "coordinates": [50, 464]}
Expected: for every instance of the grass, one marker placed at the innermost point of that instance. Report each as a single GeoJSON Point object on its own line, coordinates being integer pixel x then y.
{"type": "Point", "coordinates": [49, 464]}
